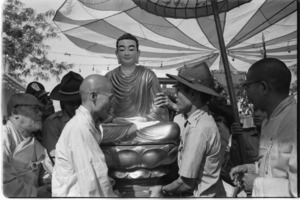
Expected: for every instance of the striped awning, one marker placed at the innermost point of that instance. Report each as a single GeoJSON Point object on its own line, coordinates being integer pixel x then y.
{"type": "Point", "coordinates": [166, 42]}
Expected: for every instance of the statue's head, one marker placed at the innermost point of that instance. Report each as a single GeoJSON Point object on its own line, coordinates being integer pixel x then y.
{"type": "Point", "coordinates": [127, 51]}
{"type": "Point", "coordinates": [128, 36]}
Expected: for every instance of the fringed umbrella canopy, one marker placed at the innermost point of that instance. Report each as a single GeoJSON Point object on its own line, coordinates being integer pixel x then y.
{"type": "Point", "coordinates": [167, 42]}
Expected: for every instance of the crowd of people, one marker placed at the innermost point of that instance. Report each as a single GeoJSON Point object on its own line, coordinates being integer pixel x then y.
{"type": "Point", "coordinates": [58, 154]}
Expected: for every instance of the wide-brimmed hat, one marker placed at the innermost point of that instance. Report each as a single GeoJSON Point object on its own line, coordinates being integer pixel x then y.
{"type": "Point", "coordinates": [36, 89]}
{"type": "Point", "coordinates": [68, 89]}
{"type": "Point", "coordinates": [198, 78]}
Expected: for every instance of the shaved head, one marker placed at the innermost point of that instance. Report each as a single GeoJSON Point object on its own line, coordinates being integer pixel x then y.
{"type": "Point", "coordinates": [94, 83]}
{"type": "Point", "coordinates": [96, 93]}
{"type": "Point", "coordinates": [272, 71]}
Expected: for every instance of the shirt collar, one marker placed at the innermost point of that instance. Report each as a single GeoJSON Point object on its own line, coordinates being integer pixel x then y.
{"type": "Point", "coordinates": [286, 102]}
{"type": "Point", "coordinates": [81, 109]}
{"type": "Point", "coordinates": [196, 114]}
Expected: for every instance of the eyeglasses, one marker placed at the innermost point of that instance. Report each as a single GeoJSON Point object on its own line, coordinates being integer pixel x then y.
{"type": "Point", "coordinates": [35, 108]}
{"type": "Point", "coordinates": [109, 96]}
{"type": "Point", "coordinates": [246, 85]}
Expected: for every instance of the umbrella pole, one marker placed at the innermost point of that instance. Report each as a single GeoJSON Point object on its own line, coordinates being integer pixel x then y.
{"type": "Point", "coordinates": [228, 77]}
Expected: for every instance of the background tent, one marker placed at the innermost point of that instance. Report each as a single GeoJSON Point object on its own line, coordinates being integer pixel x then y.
{"type": "Point", "coordinates": [168, 43]}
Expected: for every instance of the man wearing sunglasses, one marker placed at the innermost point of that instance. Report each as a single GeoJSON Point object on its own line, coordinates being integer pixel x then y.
{"type": "Point", "coordinates": [23, 155]}
{"type": "Point", "coordinates": [267, 86]}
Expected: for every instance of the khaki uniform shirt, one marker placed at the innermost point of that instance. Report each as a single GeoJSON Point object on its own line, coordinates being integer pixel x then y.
{"type": "Point", "coordinates": [199, 153]}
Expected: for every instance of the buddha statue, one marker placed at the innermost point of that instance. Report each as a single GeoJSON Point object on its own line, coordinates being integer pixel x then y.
{"type": "Point", "coordinates": [142, 158]}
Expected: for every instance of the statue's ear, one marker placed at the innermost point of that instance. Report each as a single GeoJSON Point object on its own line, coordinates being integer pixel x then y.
{"type": "Point", "coordinates": [138, 56]}
{"type": "Point", "coordinates": [116, 52]}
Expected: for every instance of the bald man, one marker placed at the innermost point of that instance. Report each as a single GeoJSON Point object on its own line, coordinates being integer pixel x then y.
{"type": "Point", "coordinates": [267, 87]}
{"type": "Point", "coordinates": [80, 169]}
{"type": "Point", "coordinates": [23, 155]}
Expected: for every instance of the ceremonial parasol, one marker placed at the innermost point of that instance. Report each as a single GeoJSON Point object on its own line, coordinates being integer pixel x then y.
{"type": "Point", "coordinates": [177, 33]}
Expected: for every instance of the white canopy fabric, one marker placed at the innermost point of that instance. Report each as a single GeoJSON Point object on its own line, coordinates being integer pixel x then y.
{"type": "Point", "coordinates": [168, 43]}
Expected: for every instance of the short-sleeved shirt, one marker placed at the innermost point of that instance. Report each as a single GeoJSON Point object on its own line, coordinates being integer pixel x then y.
{"type": "Point", "coordinates": [199, 153]}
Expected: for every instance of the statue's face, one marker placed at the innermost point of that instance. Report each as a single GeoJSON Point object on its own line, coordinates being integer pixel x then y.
{"type": "Point", "coordinates": [127, 53]}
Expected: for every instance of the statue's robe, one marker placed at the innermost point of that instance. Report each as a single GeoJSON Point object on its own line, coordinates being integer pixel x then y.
{"type": "Point", "coordinates": [135, 93]}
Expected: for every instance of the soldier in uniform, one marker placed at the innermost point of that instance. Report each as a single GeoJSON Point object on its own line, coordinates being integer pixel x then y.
{"type": "Point", "coordinates": [67, 92]}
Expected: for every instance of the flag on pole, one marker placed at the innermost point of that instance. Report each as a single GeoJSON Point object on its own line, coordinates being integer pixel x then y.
{"type": "Point", "coordinates": [264, 46]}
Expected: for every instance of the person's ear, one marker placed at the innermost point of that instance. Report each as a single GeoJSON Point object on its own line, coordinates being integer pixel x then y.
{"type": "Point", "coordinates": [15, 113]}
{"type": "Point", "coordinates": [265, 86]}
{"type": "Point", "coordinates": [193, 94]}
{"type": "Point", "coordinates": [93, 96]}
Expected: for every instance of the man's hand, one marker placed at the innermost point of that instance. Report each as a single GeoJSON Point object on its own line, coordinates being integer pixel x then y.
{"type": "Point", "coordinates": [156, 191]}
{"type": "Point", "coordinates": [44, 191]}
{"type": "Point", "coordinates": [161, 99]}
{"type": "Point", "coordinates": [248, 181]}
{"type": "Point", "coordinates": [240, 169]}
{"type": "Point", "coordinates": [236, 128]}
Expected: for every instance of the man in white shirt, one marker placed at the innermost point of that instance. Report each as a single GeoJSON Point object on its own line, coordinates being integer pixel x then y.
{"type": "Point", "coordinates": [267, 86]}
{"type": "Point", "coordinates": [80, 168]}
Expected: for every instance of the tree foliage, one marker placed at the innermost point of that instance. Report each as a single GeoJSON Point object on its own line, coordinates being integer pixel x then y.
{"type": "Point", "coordinates": [24, 34]}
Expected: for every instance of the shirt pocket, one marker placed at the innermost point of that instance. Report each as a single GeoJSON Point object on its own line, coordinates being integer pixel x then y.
{"type": "Point", "coordinates": [285, 146]}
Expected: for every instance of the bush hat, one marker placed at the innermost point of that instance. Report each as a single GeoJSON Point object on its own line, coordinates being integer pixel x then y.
{"type": "Point", "coordinates": [68, 89]}
{"type": "Point", "coordinates": [198, 78]}
{"type": "Point", "coordinates": [36, 89]}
